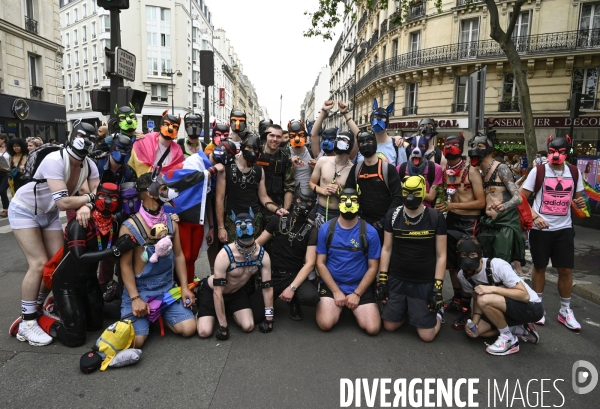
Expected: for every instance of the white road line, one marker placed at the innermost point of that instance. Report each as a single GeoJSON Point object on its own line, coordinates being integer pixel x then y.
{"type": "Point", "coordinates": [595, 324]}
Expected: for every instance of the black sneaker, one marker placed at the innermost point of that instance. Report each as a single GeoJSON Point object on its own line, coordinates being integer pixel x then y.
{"type": "Point", "coordinates": [295, 311]}
{"type": "Point", "coordinates": [111, 293]}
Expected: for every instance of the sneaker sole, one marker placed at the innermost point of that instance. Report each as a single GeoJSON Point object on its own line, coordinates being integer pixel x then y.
{"type": "Point", "coordinates": [564, 322]}
{"type": "Point", "coordinates": [35, 344]}
{"type": "Point", "coordinates": [512, 350]}
{"type": "Point", "coordinates": [535, 336]}
{"type": "Point", "coordinates": [14, 328]}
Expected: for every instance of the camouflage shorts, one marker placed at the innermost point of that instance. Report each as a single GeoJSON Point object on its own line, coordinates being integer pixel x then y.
{"type": "Point", "coordinates": [230, 227]}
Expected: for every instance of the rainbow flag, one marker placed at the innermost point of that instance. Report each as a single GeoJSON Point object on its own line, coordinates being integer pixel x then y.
{"type": "Point", "coordinates": [589, 193]}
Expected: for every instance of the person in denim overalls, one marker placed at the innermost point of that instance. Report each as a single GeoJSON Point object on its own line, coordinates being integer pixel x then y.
{"type": "Point", "coordinates": [143, 279]}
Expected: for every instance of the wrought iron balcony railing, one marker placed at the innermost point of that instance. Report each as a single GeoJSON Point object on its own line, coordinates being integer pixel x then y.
{"type": "Point", "coordinates": [416, 11]}
{"type": "Point", "coordinates": [462, 3]}
{"type": "Point", "coordinates": [409, 111]}
{"type": "Point", "coordinates": [587, 103]}
{"type": "Point", "coordinates": [362, 21]}
{"type": "Point", "coordinates": [35, 92]}
{"type": "Point", "coordinates": [508, 106]}
{"type": "Point", "coordinates": [31, 25]}
{"type": "Point", "coordinates": [383, 28]}
{"type": "Point", "coordinates": [394, 20]}
{"type": "Point", "coordinates": [549, 43]}
{"type": "Point", "coordinates": [460, 107]}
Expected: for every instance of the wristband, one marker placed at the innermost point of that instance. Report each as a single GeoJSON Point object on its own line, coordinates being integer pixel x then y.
{"type": "Point", "coordinates": [91, 197]}
{"type": "Point", "coordinates": [269, 312]}
{"type": "Point", "coordinates": [135, 298]}
{"type": "Point", "coordinates": [356, 294]}
{"type": "Point", "coordinates": [383, 276]}
{"type": "Point", "coordinates": [212, 170]}
{"type": "Point", "coordinates": [90, 206]}
{"type": "Point", "coordinates": [211, 227]}
{"type": "Point", "coordinates": [476, 313]}
{"type": "Point", "coordinates": [221, 227]}
{"type": "Point", "coordinates": [536, 217]}
{"type": "Point", "coordinates": [348, 120]}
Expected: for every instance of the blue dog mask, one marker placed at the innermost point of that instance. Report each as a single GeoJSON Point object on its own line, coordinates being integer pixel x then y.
{"type": "Point", "coordinates": [328, 137]}
{"type": "Point", "coordinates": [244, 225]}
{"type": "Point", "coordinates": [380, 117]}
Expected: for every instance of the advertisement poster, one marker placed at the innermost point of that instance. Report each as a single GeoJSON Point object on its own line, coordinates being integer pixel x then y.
{"type": "Point", "coordinates": [589, 169]}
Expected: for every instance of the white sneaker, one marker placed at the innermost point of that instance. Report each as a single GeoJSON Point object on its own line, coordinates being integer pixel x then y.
{"type": "Point", "coordinates": [542, 321]}
{"type": "Point", "coordinates": [32, 332]}
{"type": "Point", "coordinates": [567, 318]}
{"type": "Point", "coordinates": [503, 346]}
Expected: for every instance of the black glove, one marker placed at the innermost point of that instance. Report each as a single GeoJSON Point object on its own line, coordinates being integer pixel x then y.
{"type": "Point", "coordinates": [383, 290]}
{"type": "Point", "coordinates": [223, 333]}
{"type": "Point", "coordinates": [436, 301]}
{"type": "Point", "coordinates": [123, 244]}
{"type": "Point", "coordinates": [378, 225]}
{"type": "Point", "coordinates": [266, 326]}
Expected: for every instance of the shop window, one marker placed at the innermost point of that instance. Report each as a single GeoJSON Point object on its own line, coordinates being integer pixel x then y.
{"type": "Point", "coordinates": [469, 35]}
{"type": "Point", "coordinates": [460, 102]}
{"type": "Point", "coordinates": [159, 93]}
{"type": "Point", "coordinates": [586, 141]}
{"type": "Point", "coordinates": [585, 81]}
{"type": "Point", "coordinates": [510, 94]}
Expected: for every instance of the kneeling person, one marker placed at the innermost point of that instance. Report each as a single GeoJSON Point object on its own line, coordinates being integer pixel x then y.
{"type": "Point", "coordinates": [347, 261]}
{"type": "Point", "coordinates": [502, 300]}
{"type": "Point", "coordinates": [143, 279]}
{"type": "Point", "coordinates": [293, 254]}
{"type": "Point", "coordinates": [225, 291]}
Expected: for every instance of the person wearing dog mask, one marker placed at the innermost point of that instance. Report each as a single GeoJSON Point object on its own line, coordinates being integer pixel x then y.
{"type": "Point", "coordinates": [193, 128]}
{"type": "Point", "coordinates": [158, 149]}
{"type": "Point", "coordinates": [237, 122]}
{"type": "Point", "coordinates": [327, 137]}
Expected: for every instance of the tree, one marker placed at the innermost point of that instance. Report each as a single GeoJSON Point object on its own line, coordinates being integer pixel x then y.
{"type": "Point", "coordinates": [331, 13]}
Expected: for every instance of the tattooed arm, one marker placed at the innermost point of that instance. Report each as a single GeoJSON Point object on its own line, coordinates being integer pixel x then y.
{"type": "Point", "coordinates": [506, 177]}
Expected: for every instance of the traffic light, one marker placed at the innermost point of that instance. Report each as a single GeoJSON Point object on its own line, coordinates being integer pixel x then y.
{"type": "Point", "coordinates": [207, 68]}
{"type": "Point", "coordinates": [128, 95]}
{"type": "Point", "coordinates": [113, 4]}
{"type": "Point", "coordinates": [101, 101]}
{"type": "Point", "coordinates": [575, 105]}
{"type": "Point", "coordinates": [489, 124]}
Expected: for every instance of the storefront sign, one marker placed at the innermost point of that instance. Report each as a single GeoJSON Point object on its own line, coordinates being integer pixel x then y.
{"type": "Point", "coordinates": [461, 123]}
{"type": "Point", "coordinates": [550, 122]}
{"type": "Point", "coordinates": [20, 109]}
{"type": "Point", "coordinates": [221, 97]}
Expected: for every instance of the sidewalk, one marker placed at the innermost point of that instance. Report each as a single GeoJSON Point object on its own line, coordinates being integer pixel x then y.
{"type": "Point", "coordinates": [586, 274]}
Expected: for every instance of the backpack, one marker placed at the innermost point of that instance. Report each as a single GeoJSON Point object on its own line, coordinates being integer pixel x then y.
{"type": "Point", "coordinates": [430, 172]}
{"type": "Point", "coordinates": [35, 158]}
{"type": "Point", "coordinates": [51, 266]}
{"type": "Point", "coordinates": [382, 172]}
{"type": "Point", "coordinates": [525, 216]}
{"type": "Point", "coordinates": [362, 234]}
{"type": "Point", "coordinates": [541, 173]}
{"type": "Point", "coordinates": [116, 338]}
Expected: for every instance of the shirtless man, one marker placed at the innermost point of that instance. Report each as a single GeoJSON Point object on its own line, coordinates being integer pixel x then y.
{"type": "Point", "coordinates": [464, 185]}
{"type": "Point", "coordinates": [234, 266]}
{"type": "Point", "coordinates": [502, 198]}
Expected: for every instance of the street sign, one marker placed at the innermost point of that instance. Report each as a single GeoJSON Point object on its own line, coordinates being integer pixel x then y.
{"type": "Point", "coordinates": [125, 64]}
{"type": "Point", "coordinates": [150, 124]}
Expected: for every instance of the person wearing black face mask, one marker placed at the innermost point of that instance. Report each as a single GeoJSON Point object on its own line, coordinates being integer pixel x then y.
{"type": "Point", "coordinates": [503, 304]}
{"type": "Point", "coordinates": [414, 256]}
{"type": "Point", "coordinates": [193, 127]}
{"type": "Point", "coordinates": [378, 181]}
{"type": "Point", "coordinates": [243, 185]}
{"type": "Point", "coordinates": [293, 240]}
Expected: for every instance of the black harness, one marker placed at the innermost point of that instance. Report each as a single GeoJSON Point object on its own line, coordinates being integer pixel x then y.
{"type": "Point", "coordinates": [233, 264]}
{"type": "Point", "coordinates": [488, 273]}
{"type": "Point", "coordinates": [492, 180]}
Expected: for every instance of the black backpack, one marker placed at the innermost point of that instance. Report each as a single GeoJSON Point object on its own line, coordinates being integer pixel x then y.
{"type": "Point", "coordinates": [362, 234]}
{"type": "Point", "coordinates": [430, 172]}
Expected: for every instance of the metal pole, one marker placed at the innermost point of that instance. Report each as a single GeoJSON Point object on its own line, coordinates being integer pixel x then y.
{"type": "Point", "coordinates": [206, 116]}
{"type": "Point", "coordinates": [115, 41]}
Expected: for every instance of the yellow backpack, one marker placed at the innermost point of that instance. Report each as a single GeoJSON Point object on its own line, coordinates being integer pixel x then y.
{"type": "Point", "coordinates": [116, 338]}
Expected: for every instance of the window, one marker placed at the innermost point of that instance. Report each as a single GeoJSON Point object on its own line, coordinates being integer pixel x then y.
{"type": "Point", "coordinates": [585, 81]}
{"type": "Point", "coordinates": [510, 94]}
{"type": "Point", "coordinates": [165, 15]}
{"type": "Point", "coordinates": [68, 61]}
{"type": "Point", "coordinates": [87, 98]}
{"type": "Point", "coordinates": [414, 46]}
{"type": "Point", "coordinates": [75, 36]}
{"type": "Point", "coordinates": [411, 99]}
{"type": "Point", "coordinates": [79, 99]}
{"type": "Point", "coordinates": [392, 92]}
{"type": "Point", "coordinates": [395, 48]}
{"type": "Point", "coordinates": [84, 33]}
{"type": "Point", "coordinates": [195, 78]}
{"type": "Point", "coordinates": [67, 39]}
{"type": "Point", "coordinates": [106, 23]}
{"type": "Point", "coordinates": [94, 52]}
{"type": "Point", "coordinates": [70, 100]}
{"type": "Point", "coordinates": [159, 93]}
{"type": "Point", "coordinates": [165, 40]}
{"type": "Point", "coordinates": [76, 58]}
{"type": "Point", "coordinates": [151, 13]}
{"type": "Point", "coordinates": [194, 33]}
{"type": "Point", "coordinates": [590, 17]}
{"type": "Point", "coordinates": [95, 75]}
{"type": "Point", "coordinates": [84, 10]}
{"type": "Point", "coordinates": [33, 70]}
{"type": "Point", "coordinates": [75, 14]}
{"type": "Point", "coordinates": [68, 18]}
{"type": "Point", "coordinates": [462, 86]}
{"type": "Point", "coordinates": [77, 79]}
{"type": "Point", "coordinates": [195, 99]}
{"type": "Point", "coordinates": [469, 35]}
{"type": "Point", "coordinates": [384, 53]}
{"type": "Point", "coordinates": [85, 55]}
{"type": "Point", "coordinates": [69, 81]}
{"type": "Point", "coordinates": [152, 66]}
{"type": "Point", "coordinates": [165, 65]}
{"type": "Point", "coordinates": [86, 77]}
{"type": "Point", "coordinates": [520, 35]}
{"type": "Point", "coordinates": [93, 29]}
{"type": "Point", "coordinates": [152, 38]}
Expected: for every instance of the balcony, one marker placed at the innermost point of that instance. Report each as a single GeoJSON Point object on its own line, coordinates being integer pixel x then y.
{"type": "Point", "coordinates": [460, 107]}
{"type": "Point", "coordinates": [508, 106]}
{"type": "Point", "coordinates": [587, 103]}
{"type": "Point", "coordinates": [383, 28]}
{"type": "Point", "coordinates": [539, 44]}
{"type": "Point", "coordinates": [463, 3]}
{"type": "Point", "coordinates": [416, 12]}
{"type": "Point", "coordinates": [31, 25]}
{"type": "Point", "coordinates": [394, 20]}
{"type": "Point", "coordinates": [406, 111]}
{"type": "Point", "coordinates": [362, 21]}
{"type": "Point", "coordinates": [35, 92]}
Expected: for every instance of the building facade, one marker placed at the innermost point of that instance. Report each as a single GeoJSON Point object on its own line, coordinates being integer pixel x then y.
{"type": "Point", "coordinates": [31, 97]}
{"type": "Point", "coordinates": [166, 38]}
{"type": "Point", "coordinates": [423, 64]}
{"type": "Point", "coordinates": [319, 93]}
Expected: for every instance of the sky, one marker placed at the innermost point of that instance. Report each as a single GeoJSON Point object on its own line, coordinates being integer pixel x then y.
{"type": "Point", "coordinates": [277, 58]}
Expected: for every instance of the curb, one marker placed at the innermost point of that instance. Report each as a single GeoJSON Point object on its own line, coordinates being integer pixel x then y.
{"type": "Point", "coordinates": [585, 289]}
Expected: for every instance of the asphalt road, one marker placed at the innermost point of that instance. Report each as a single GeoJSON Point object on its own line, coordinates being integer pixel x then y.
{"type": "Point", "coordinates": [296, 366]}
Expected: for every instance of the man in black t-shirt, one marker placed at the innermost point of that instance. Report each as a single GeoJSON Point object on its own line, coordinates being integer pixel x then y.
{"type": "Point", "coordinates": [414, 250]}
{"type": "Point", "coordinates": [378, 181]}
{"type": "Point", "coordinates": [293, 255]}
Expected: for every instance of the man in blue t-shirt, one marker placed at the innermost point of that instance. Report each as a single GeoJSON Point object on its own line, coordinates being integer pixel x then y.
{"type": "Point", "coordinates": [347, 261]}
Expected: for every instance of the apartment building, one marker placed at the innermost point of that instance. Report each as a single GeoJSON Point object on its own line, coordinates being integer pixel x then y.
{"type": "Point", "coordinates": [31, 54]}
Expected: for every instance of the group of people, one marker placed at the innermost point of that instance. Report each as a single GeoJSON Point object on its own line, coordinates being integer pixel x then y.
{"type": "Point", "coordinates": [343, 219]}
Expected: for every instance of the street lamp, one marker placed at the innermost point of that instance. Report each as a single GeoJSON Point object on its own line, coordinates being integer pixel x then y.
{"type": "Point", "coordinates": [170, 74]}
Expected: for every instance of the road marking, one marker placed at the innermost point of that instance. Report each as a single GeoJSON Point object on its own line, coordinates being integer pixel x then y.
{"type": "Point", "coordinates": [595, 324]}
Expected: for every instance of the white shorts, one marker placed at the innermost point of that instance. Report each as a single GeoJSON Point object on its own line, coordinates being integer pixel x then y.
{"type": "Point", "coordinates": [22, 217]}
